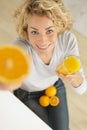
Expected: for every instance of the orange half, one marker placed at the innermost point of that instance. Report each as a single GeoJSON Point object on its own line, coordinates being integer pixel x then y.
{"type": "Point", "coordinates": [14, 64]}
{"type": "Point", "coordinates": [72, 63]}
{"type": "Point", "coordinates": [69, 65]}
{"type": "Point", "coordinates": [54, 101]}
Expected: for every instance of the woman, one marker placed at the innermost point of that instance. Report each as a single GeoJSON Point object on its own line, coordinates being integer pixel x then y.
{"type": "Point", "coordinates": [43, 28]}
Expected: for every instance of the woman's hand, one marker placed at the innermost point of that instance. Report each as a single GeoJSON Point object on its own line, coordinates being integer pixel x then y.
{"type": "Point", "coordinates": [9, 87]}
{"type": "Point", "coordinates": [74, 79]}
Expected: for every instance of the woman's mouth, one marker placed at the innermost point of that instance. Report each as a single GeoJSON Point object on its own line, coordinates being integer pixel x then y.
{"type": "Point", "coordinates": [43, 48]}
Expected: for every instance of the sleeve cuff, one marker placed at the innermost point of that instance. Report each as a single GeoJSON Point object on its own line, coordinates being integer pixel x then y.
{"type": "Point", "coordinates": [81, 89]}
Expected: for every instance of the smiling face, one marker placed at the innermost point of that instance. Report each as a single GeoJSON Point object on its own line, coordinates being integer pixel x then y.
{"type": "Point", "coordinates": [42, 34]}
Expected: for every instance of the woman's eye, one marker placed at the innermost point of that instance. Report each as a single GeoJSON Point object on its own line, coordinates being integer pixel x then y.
{"type": "Point", "coordinates": [49, 31]}
{"type": "Point", "coordinates": [34, 32]}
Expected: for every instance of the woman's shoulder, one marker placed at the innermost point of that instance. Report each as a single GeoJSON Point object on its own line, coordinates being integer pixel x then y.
{"type": "Point", "coordinates": [67, 38]}
{"type": "Point", "coordinates": [68, 35]}
{"type": "Point", "coordinates": [67, 43]}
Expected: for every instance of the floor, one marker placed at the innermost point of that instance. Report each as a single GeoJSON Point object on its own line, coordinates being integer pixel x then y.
{"type": "Point", "coordinates": [79, 13]}
{"type": "Point", "coordinates": [77, 104]}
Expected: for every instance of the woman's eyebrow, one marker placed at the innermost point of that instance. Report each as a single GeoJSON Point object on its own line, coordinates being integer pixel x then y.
{"type": "Point", "coordinates": [34, 28]}
{"type": "Point", "coordinates": [45, 29]}
{"type": "Point", "coordinates": [49, 27]}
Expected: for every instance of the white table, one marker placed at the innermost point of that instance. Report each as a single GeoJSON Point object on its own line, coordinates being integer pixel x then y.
{"type": "Point", "coordinates": [14, 115]}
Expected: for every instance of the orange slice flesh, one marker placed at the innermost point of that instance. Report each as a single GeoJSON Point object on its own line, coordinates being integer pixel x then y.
{"type": "Point", "coordinates": [54, 101]}
{"type": "Point", "coordinates": [14, 64]}
{"type": "Point", "coordinates": [72, 63]}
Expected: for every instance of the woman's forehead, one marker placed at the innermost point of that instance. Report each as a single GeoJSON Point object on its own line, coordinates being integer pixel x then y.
{"type": "Point", "coordinates": [40, 21]}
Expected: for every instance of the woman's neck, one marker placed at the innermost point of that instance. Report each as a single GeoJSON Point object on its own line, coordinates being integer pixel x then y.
{"type": "Point", "coordinates": [46, 58]}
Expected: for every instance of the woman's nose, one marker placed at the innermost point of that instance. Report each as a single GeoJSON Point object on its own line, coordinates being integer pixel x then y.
{"type": "Point", "coordinates": [43, 39]}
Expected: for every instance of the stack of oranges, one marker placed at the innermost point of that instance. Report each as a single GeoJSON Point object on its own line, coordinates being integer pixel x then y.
{"type": "Point", "coordinates": [49, 98]}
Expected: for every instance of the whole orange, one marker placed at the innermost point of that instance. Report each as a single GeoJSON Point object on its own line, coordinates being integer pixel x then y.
{"type": "Point", "coordinates": [44, 101]}
{"type": "Point", "coordinates": [51, 91]}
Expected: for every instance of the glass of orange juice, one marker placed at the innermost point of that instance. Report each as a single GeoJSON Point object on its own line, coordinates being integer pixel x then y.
{"type": "Point", "coordinates": [69, 65]}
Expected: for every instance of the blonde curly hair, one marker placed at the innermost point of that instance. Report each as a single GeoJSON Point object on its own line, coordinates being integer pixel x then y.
{"type": "Point", "coordinates": [53, 9]}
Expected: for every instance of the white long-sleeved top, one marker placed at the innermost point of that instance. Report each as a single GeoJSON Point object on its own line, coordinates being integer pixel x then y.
{"type": "Point", "coordinates": [42, 75]}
